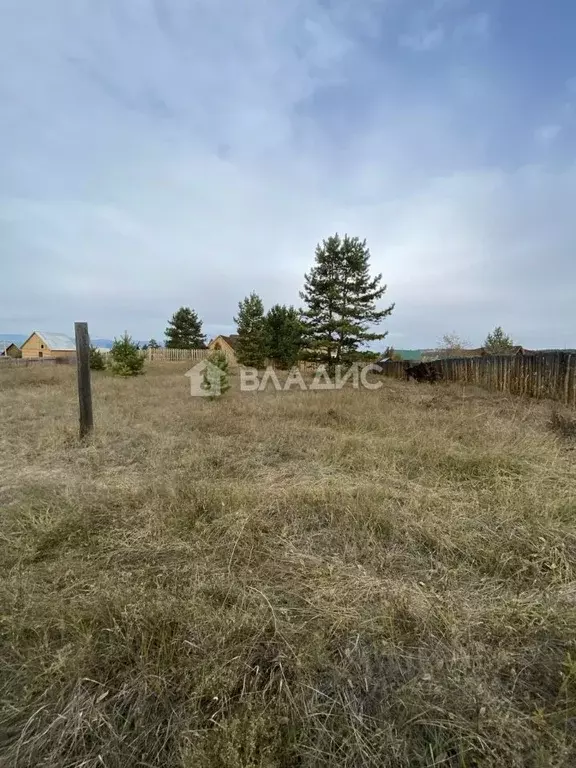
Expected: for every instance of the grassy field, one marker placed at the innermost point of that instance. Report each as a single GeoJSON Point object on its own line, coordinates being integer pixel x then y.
{"type": "Point", "coordinates": [310, 579]}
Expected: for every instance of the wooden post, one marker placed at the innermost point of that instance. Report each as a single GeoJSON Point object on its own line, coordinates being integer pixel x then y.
{"type": "Point", "coordinates": [84, 387]}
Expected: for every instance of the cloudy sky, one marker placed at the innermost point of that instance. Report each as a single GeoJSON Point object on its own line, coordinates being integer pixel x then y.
{"type": "Point", "coordinates": [157, 153]}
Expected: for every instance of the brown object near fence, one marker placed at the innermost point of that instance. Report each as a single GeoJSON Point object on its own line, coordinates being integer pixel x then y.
{"type": "Point", "coordinates": [551, 375]}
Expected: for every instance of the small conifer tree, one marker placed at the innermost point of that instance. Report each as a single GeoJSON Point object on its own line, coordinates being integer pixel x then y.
{"type": "Point", "coordinates": [283, 335]}
{"type": "Point", "coordinates": [498, 342]}
{"type": "Point", "coordinates": [127, 360]}
{"type": "Point", "coordinates": [184, 330]}
{"type": "Point", "coordinates": [216, 375]}
{"type": "Point", "coordinates": [97, 361]}
{"type": "Point", "coordinates": [252, 344]}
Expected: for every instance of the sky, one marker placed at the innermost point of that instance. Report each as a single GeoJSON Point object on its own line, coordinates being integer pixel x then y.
{"type": "Point", "coordinates": [160, 153]}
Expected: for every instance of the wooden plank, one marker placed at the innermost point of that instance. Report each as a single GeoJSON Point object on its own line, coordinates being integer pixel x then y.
{"type": "Point", "coordinates": [524, 376]}
{"type": "Point", "coordinates": [561, 374]}
{"type": "Point", "coordinates": [84, 384]}
{"type": "Point", "coordinates": [570, 389]}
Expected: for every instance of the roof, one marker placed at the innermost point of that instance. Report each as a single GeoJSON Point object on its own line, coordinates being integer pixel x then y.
{"type": "Point", "coordinates": [5, 346]}
{"type": "Point", "coordinates": [409, 354]}
{"type": "Point", "coordinates": [479, 352]}
{"type": "Point", "coordinates": [482, 352]}
{"type": "Point", "coordinates": [232, 340]}
{"type": "Point", "coordinates": [57, 342]}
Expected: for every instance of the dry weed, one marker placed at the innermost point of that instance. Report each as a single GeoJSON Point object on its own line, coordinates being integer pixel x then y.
{"type": "Point", "coordinates": [301, 579]}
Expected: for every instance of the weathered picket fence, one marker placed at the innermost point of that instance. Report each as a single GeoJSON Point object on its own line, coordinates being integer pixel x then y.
{"type": "Point", "coordinates": [168, 355]}
{"type": "Point", "coordinates": [550, 375]}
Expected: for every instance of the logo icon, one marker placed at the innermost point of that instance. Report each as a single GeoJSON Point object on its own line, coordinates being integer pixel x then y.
{"type": "Point", "coordinates": [205, 379]}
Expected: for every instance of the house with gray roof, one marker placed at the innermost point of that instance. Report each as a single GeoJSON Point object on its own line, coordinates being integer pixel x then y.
{"type": "Point", "coordinates": [9, 349]}
{"type": "Point", "coordinates": [41, 344]}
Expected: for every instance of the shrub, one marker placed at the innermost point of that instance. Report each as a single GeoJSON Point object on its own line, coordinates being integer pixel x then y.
{"type": "Point", "coordinates": [97, 361]}
{"type": "Point", "coordinates": [216, 375]}
{"type": "Point", "coordinates": [126, 358]}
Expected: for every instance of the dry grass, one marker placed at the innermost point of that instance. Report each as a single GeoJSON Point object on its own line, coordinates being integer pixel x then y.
{"type": "Point", "coordinates": [309, 579]}
{"type": "Point", "coordinates": [564, 424]}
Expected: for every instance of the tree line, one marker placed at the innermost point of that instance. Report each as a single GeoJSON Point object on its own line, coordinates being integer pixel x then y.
{"type": "Point", "coordinates": [339, 314]}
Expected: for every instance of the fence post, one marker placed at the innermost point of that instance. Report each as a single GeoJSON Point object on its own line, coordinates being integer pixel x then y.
{"type": "Point", "coordinates": [84, 385]}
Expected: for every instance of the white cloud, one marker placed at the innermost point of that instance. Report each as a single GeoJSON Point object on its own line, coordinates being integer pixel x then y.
{"type": "Point", "coordinates": [458, 252]}
{"type": "Point", "coordinates": [474, 28]}
{"type": "Point", "coordinates": [424, 40]}
{"type": "Point", "coordinates": [547, 134]}
{"type": "Point", "coordinates": [165, 154]}
{"type": "Point", "coordinates": [444, 23]}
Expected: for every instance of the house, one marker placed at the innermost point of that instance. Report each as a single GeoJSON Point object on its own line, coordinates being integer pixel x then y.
{"type": "Point", "coordinates": [565, 350]}
{"type": "Point", "coordinates": [411, 355]}
{"type": "Point", "coordinates": [483, 352]}
{"type": "Point", "coordinates": [48, 345]}
{"type": "Point", "coordinates": [9, 349]}
{"type": "Point", "coordinates": [405, 355]}
{"type": "Point", "coordinates": [226, 344]}
{"type": "Point", "coordinates": [445, 354]}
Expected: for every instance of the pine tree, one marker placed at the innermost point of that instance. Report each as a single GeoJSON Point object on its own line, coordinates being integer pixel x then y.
{"type": "Point", "coordinates": [340, 297]}
{"type": "Point", "coordinates": [283, 335]}
{"type": "Point", "coordinates": [127, 360]}
{"type": "Point", "coordinates": [97, 361]}
{"type": "Point", "coordinates": [184, 330]}
{"type": "Point", "coordinates": [498, 343]}
{"type": "Point", "coordinates": [153, 344]}
{"type": "Point", "coordinates": [216, 375]}
{"type": "Point", "coordinates": [251, 347]}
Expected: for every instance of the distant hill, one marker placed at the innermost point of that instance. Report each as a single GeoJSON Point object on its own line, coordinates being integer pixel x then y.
{"type": "Point", "coordinates": [107, 343]}
{"type": "Point", "coordinates": [20, 338]}
{"type": "Point", "coordinates": [103, 343]}
{"type": "Point", "coordinates": [14, 338]}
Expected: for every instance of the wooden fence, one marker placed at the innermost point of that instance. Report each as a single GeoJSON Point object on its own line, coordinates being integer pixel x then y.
{"type": "Point", "coordinates": [41, 361]}
{"type": "Point", "coordinates": [179, 355]}
{"type": "Point", "coordinates": [551, 375]}
{"type": "Point", "coordinates": [168, 355]}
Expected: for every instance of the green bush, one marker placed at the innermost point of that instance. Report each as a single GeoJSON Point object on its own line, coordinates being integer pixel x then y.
{"type": "Point", "coordinates": [97, 361]}
{"type": "Point", "coordinates": [216, 376]}
{"type": "Point", "coordinates": [127, 360]}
